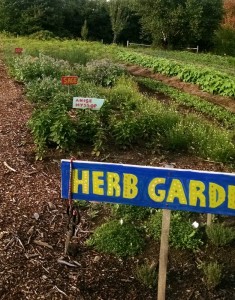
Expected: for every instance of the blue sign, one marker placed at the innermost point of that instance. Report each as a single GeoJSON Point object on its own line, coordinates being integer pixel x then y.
{"type": "Point", "coordinates": [175, 189]}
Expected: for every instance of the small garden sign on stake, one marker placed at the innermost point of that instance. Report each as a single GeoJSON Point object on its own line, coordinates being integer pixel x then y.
{"type": "Point", "coordinates": [18, 50]}
{"type": "Point", "coordinates": [69, 80]}
{"type": "Point", "coordinates": [165, 188]}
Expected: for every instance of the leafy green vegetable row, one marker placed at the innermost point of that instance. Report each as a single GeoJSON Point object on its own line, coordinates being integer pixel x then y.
{"type": "Point", "coordinates": [222, 115]}
{"type": "Point", "coordinates": [226, 64]}
{"type": "Point", "coordinates": [208, 79]}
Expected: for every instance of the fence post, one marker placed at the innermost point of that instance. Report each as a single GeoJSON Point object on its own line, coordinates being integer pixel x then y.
{"type": "Point", "coordinates": [197, 49]}
{"type": "Point", "coordinates": [127, 43]}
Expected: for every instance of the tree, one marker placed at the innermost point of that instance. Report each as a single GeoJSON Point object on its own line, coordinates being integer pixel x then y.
{"type": "Point", "coordinates": [180, 22]}
{"type": "Point", "coordinates": [229, 16]}
{"type": "Point", "coordinates": [118, 12]}
{"type": "Point", "coordinates": [84, 31]}
{"type": "Point", "coordinates": [25, 17]}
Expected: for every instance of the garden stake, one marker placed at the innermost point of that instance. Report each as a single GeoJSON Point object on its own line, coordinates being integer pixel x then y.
{"type": "Point", "coordinates": [163, 257]}
{"type": "Point", "coordinates": [72, 212]}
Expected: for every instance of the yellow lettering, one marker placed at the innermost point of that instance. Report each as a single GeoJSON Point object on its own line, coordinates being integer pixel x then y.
{"type": "Point", "coordinates": [216, 195]}
{"type": "Point", "coordinates": [160, 196]}
{"type": "Point", "coordinates": [176, 191]}
{"type": "Point", "coordinates": [84, 182]}
{"type": "Point", "coordinates": [231, 196]}
{"type": "Point", "coordinates": [196, 189]}
{"type": "Point", "coordinates": [97, 183]}
{"type": "Point", "coordinates": [113, 187]}
{"type": "Point", "coordinates": [130, 189]}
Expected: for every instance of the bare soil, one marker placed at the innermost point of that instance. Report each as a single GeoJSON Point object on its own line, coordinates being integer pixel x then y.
{"type": "Point", "coordinates": [33, 225]}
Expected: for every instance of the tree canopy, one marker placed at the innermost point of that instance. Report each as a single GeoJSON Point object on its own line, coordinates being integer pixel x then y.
{"type": "Point", "coordinates": [180, 22]}
{"type": "Point", "coordinates": [172, 23]}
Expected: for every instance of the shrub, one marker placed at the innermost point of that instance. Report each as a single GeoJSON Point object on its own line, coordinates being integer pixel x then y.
{"type": "Point", "coordinates": [147, 275]}
{"type": "Point", "coordinates": [213, 274]}
{"type": "Point", "coordinates": [182, 233]}
{"type": "Point", "coordinates": [27, 68]}
{"type": "Point", "coordinates": [43, 35]}
{"type": "Point", "coordinates": [220, 235]}
{"type": "Point", "coordinates": [52, 127]}
{"type": "Point", "coordinates": [124, 96]}
{"type": "Point", "coordinates": [125, 131]}
{"type": "Point", "coordinates": [114, 238]}
{"type": "Point", "coordinates": [43, 90]}
{"type": "Point", "coordinates": [88, 124]}
{"type": "Point", "coordinates": [102, 72]}
{"type": "Point", "coordinates": [179, 138]}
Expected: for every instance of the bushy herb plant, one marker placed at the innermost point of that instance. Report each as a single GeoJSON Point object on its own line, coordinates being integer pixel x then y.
{"type": "Point", "coordinates": [182, 233]}
{"type": "Point", "coordinates": [147, 275]}
{"type": "Point", "coordinates": [102, 72]}
{"type": "Point", "coordinates": [220, 235]}
{"type": "Point", "coordinates": [118, 239]}
{"type": "Point", "coordinates": [212, 274]}
{"type": "Point", "coordinates": [43, 90]}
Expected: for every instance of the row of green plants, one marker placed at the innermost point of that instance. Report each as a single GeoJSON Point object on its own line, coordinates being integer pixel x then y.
{"type": "Point", "coordinates": [218, 113]}
{"type": "Point", "coordinates": [129, 229]}
{"type": "Point", "coordinates": [127, 118]}
{"type": "Point", "coordinates": [208, 79]}
{"type": "Point", "coordinates": [224, 63]}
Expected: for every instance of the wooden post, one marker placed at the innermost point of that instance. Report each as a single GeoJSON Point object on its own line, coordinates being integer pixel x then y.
{"type": "Point", "coordinates": [127, 44]}
{"type": "Point", "coordinates": [163, 258]}
{"type": "Point", "coordinates": [209, 219]}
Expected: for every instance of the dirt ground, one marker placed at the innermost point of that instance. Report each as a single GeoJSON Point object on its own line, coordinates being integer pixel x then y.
{"type": "Point", "coordinates": [33, 222]}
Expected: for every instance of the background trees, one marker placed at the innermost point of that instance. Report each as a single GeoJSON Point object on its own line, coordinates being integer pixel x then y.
{"type": "Point", "coordinates": [180, 22]}
{"type": "Point", "coordinates": [175, 24]}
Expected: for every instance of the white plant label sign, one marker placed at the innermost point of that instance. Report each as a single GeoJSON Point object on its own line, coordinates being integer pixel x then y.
{"type": "Point", "coordinates": [90, 103]}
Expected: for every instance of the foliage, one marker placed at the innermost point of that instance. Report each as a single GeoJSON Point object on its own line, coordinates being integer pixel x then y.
{"type": "Point", "coordinates": [222, 115]}
{"type": "Point", "coordinates": [102, 72]}
{"type": "Point", "coordinates": [26, 17]}
{"type": "Point", "coordinates": [84, 31]}
{"type": "Point", "coordinates": [130, 213]}
{"type": "Point", "coordinates": [43, 90]}
{"type": "Point", "coordinates": [225, 64]}
{"type": "Point", "coordinates": [28, 68]}
{"type": "Point", "coordinates": [225, 41]}
{"type": "Point", "coordinates": [114, 238]}
{"type": "Point", "coordinates": [182, 233]}
{"type": "Point", "coordinates": [118, 12]}
{"type": "Point", "coordinates": [220, 235]}
{"type": "Point", "coordinates": [180, 23]}
{"type": "Point", "coordinates": [229, 16]}
{"type": "Point", "coordinates": [88, 124]}
{"type": "Point", "coordinates": [43, 35]}
{"type": "Point", "coordinates": [147, 275]}
{"type": "Point", "coordinates": [52, 126]}
{"type": "Point", "coordinates": [209, 80]}
{"type": "Point", "coordinates": [213, 274]}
